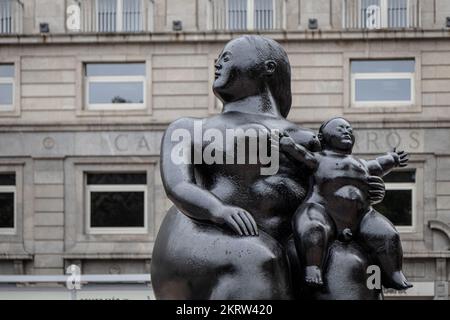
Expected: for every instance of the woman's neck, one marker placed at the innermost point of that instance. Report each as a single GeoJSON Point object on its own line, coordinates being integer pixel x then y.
{"type": "Point", "coordinates": [258, 104]}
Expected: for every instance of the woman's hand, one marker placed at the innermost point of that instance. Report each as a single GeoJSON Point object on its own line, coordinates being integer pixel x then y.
{"type": "Point", "coordinates": [376, 189]}
{"type": "Point", "coordinates": [238, 219]}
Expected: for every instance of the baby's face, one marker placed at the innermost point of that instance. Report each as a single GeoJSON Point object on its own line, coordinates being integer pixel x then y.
{"type": "Point", "coordinates": [338, 134]}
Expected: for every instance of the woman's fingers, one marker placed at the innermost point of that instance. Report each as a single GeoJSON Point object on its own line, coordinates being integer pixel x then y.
{"type": "Point", "coordinates": [252, 222]}
{"type": "Point", "coordinates": [234, 226]}
{"type": "Point", "coordinates": [247, 223]}
{"type": "Point", "coordinates": [240, 223]}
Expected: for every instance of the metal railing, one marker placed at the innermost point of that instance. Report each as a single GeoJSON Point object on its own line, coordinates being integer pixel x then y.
{"type": "Point", "coordinates": [380, 14]}
{"type": "Point", "coordinates": [11, 16]}
{"type": "Point", "coordinates": [116, 15]}
{"type": "Point", "coordinates": [238, 15]}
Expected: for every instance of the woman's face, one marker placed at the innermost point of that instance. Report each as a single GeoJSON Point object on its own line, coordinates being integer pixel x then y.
{"type": "Point", "coordinates": [238, 72]}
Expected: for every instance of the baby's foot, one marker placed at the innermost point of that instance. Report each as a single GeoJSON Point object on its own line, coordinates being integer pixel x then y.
{"type": "Point", "coordinates": [313, 276]}
{"type": "Point", "coordinates": [399, 281]}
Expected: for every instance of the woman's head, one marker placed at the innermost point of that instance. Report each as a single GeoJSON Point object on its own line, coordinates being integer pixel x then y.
{"type": "Point", "coordinates": [248, 65]}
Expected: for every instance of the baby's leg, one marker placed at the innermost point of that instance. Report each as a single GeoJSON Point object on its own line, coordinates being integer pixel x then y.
{"type": "Point", "coordinates": [381, 237]}
{"type": "Point", "coordinates": [312, 230]}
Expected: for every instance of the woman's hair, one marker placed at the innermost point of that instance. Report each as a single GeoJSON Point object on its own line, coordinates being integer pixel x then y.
{"type": "Point", "coordinates": [280, 81]}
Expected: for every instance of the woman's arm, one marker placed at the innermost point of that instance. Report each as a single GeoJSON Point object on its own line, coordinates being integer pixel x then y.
{"type": "Point", "coordinates": [177, 172]}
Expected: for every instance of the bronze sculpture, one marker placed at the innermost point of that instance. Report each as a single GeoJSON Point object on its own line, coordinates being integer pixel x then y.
{"type": "Point", "coordinates": [337, 205]}
{"type": "Point", "coordinates": [229, 234]}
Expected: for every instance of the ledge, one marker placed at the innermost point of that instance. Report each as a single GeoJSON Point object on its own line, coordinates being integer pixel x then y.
{"type": "Point", "coordinates": [428, 254]}
{"type": "Point", "coordinates": [222, 36]}
{"type": "Point", "coordinates": [107, 256]}
{"type": "Point", "coordinates": [17, 256]}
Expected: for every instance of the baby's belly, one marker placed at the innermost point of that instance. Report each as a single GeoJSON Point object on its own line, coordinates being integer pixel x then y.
{"type": "Point", "coordinates": [346, 205]}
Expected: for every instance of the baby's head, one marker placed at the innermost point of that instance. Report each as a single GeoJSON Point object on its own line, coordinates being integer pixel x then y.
{"type": "Point", "coordinates": [337, 134]}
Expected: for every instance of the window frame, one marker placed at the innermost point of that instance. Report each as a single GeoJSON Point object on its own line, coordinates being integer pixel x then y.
{"type": "Point", "coordinates": [119, 17]}
{"type": "Point", "coordinates": [111, 188]}
{"type": "Point", "coordinates": [392, 186]}
{"type": "Point", "coordinates": [381, 75]}
{"type": "Point", "coordinates": [11, 189]}
{"type": "Point", "coordinates": [113, 79]}
{"type": "Point", "coordinates": [9, 80]}
{"type": "Point", "coordinates": [350, 108]}
{"type": "Point", "coordinates": [384, 16]}
{"type": "Point", "coordinates": [250, 16]}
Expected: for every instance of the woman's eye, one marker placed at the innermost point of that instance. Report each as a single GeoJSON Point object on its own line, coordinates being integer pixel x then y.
{"type": "Point", "coordinates": [226, 59]}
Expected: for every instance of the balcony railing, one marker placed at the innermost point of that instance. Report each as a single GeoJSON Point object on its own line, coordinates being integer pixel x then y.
{"type": "Point", "coordinates": [238, 15]}
{"type": "Point", "coordinates": [380, 14]}
{"type": "Point", "coordinates": [11, 14]}
{"type": "Point", "coordinates": [116, 15]}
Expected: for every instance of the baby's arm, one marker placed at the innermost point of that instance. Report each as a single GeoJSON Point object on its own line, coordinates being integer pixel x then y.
{"type": "Point", "coordinates": [297, 151]}
{"type": "Point", "coordinates": [384, 164]}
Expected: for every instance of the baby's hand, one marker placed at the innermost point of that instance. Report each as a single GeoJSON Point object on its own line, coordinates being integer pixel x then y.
{"type": "Point", "coordinates": [286, 142]}
{"type": "Point", "coordinates": [400, 157]}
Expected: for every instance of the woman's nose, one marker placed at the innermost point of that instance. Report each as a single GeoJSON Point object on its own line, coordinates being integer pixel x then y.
{"type": "Point", "coordinates": [218, 66]}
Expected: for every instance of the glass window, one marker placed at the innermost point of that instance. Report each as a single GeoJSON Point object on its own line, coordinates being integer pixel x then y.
{"type": "Point", "coordinates": [116, 202]}
{"type": "Point", "coordinates": [115, 86]}
{"type": "Point", "coordinates": [399, 201]}
{"type": "Point", "coordinates": [249, 14]}
{"type": "Point", "coordinates": [6, 86]}
{"type": "Point", "coordinates": [6, 16]}
{"type": "Point", "coordinates": [376, 14]}
{"type": "Point", "coordinates": [119, 15]}
{"type": "Point", "coordinates": [382, 82]}
{"type": "Point", "coordinates": [7, 202]}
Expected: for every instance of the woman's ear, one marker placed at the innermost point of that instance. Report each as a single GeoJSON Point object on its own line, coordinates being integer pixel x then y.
{"type": "Point", "coordinates": [270, 67]}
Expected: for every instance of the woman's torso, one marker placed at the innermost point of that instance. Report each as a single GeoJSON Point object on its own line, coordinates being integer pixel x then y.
{"type": "Point", "coordinates": [271, 199]}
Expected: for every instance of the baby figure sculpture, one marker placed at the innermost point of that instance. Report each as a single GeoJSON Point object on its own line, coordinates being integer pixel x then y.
{"type": "Point", "coordinates": [337, 206]}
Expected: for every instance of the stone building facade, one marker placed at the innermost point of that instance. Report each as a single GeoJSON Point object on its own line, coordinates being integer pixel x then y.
{"type": "Point", "coordinates": [383, 64]}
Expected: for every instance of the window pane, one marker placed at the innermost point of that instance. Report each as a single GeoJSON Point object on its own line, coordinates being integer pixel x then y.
{"type": "Point", "coordinates": [116, 92]}
{"type": "Point", "coordinates": [106, 15]}
{"type": "Point", "coordinates": [383, 90]}
{"type": "Point", "coordinates": [117, 209]}
{"type": "Point", "coordinates": [6, 71]}
{"type": "Point", "coordinates": [131, 15]}
{"type": "Point", "coordinates": [237, 14]}
{"type": "Point", "coordinates": [115, 69]}
{"type": "Point", "coordinates": [397, 207]}
{"type": "Point", "coordinates": [263, 14]}
{"type": "Point", "coordinates": [370, 13]}
{"type": "Point", "coordinates": [6, 210]}
{"type": "Point", "coordinates": [401, 176]}
{"type": "Point", "coordinates": [382, 66]}
{"type": "Point", "coordinates": [117, 178]}
{"type": "Point", "coordinates": [6, 93]}
{"type": "Point", "coordinates": [6, 16]}
{"type": "Point", "coordinates": [7, 179]}
{"type": "Point", "coordinates": [397, 13]}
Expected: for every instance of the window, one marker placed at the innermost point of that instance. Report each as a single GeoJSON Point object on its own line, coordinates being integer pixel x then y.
{"type": "Point", "coordinates": [6, 87]}
{"type": "Point", "coordinates": [377, 14]}
{"type": "Point", "coordinates": [400, 199]}
{"type": "Point", "coordinates": [382, 82]}
{"type": "Point", "coordinates": [246, 14]}
{"type": "Point", "coordinates": [116, 203]}
{"type": "Point", "coordinates": [115, 86]}
{"type": "Point", "coordinates": [7, 203]}
{"type": "Point", "coordinates": [10, 16]}
{"type": "Point", "coordinates": [119, 15]}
